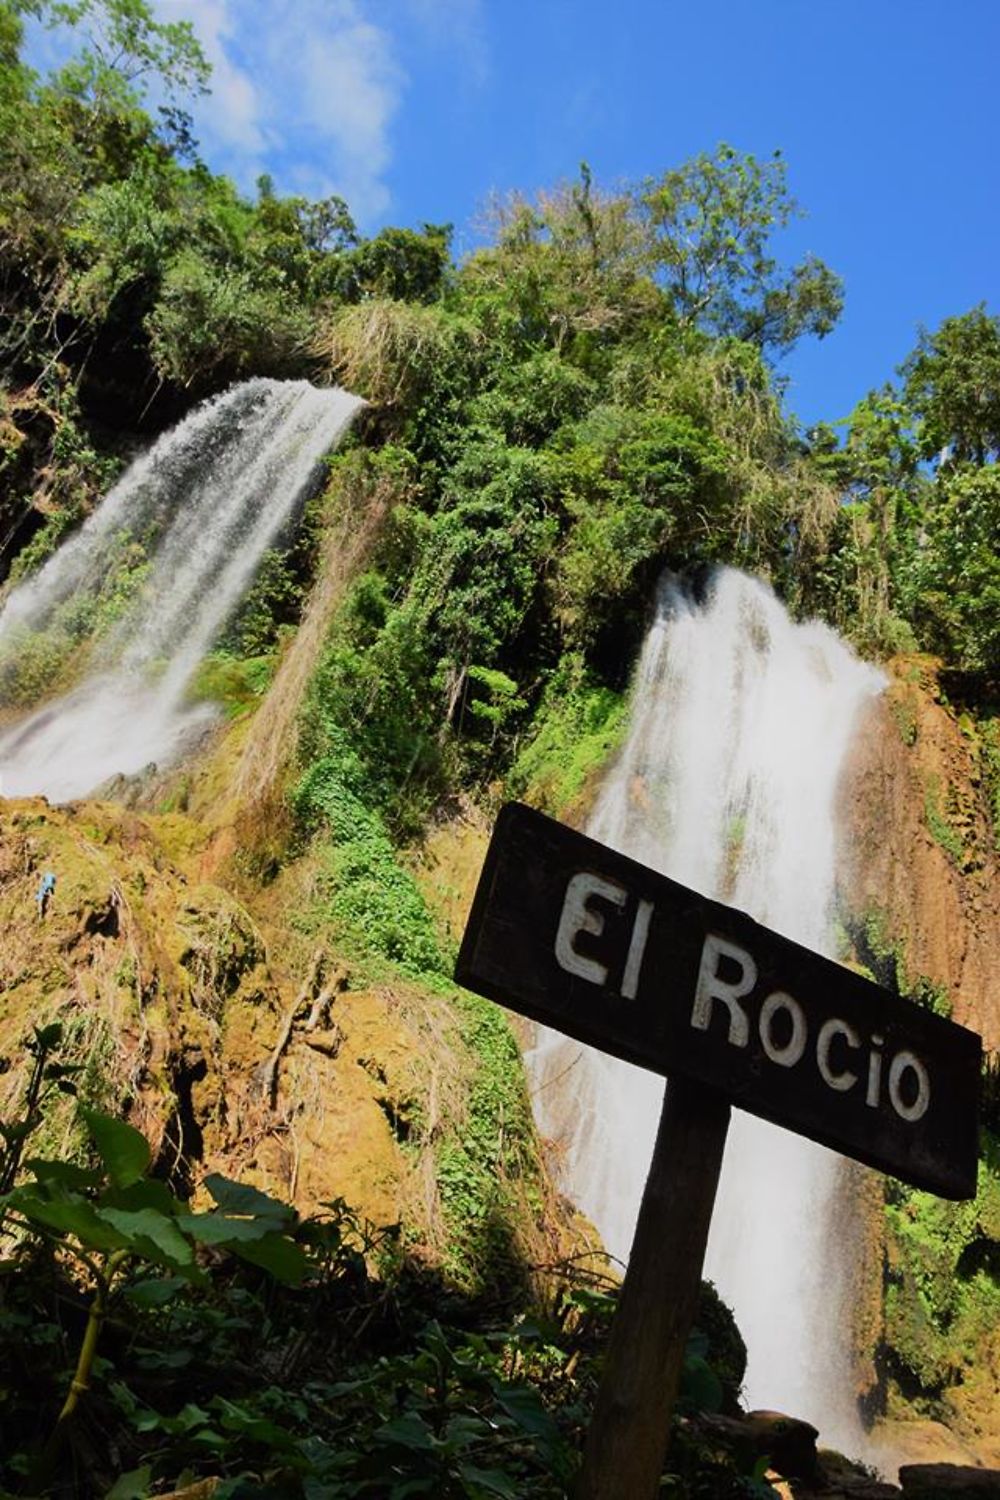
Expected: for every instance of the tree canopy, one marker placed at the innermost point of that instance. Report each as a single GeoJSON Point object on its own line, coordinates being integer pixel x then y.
{"type": "Point", "coordinates": [586, 398]}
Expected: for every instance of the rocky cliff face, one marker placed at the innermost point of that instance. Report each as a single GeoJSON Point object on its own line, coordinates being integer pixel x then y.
{"type": "Point", "coordinates": [921, 902]}
{"type": "Point", "coordinates": [233, 1035]}
{"type": "Point", "coordinates": [919, 863]}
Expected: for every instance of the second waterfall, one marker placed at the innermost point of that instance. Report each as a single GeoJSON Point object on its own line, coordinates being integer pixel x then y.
{"type": "Point", "coordinates": [727, 782]}
{"type": "Point", "coordinates": [196, 513]}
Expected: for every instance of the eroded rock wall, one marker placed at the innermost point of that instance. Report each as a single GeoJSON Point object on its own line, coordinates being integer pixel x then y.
{"type": "Point", "coordinates": [919, 849]}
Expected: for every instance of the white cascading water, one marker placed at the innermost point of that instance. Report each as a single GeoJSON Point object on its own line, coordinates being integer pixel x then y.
{"type": "Point", "coordinates": [204, 502]}
{"type": "Point", "coordinates": [727, 782]}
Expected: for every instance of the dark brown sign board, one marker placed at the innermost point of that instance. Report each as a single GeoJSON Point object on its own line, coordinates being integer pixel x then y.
{"type": "Point", "coordinates": [584, 939]}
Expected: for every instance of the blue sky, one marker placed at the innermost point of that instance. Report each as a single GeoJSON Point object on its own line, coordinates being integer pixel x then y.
{"type": "Point", "coordinates": [419, 109]}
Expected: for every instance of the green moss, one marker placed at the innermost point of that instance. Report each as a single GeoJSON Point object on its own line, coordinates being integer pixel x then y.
{"type": "Point", "coordinates": [374, 906]}
{"type": "Point", "coordinates": [989, 731]}
{"type": "Point", "coordinates": [882, 957]}
{"type": "Point", "coordinates": [936, 818]}
{"type": "Point", "coordinates": [905, 717]}
{"type": "Point", "coordinates": [578, 727]}
{"type": "Point", "coordinates": [485, 1166]}
{"type": "Point", "coordinates": [942, 1305]}
{"type": "Point", "coordinates": [237, 683]}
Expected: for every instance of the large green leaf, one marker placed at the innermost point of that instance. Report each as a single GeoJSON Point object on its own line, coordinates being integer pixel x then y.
{"type": "Point", "coordinates": [68, 1216]}
{"type": "Point", "coordinates": [219, 1229]}
{"type": "Point", "coordinates": [66, 1173]}
{"type": "Point", "coordinates": [146, 1193]}
{"type": "Point", "coordinates": [274, 1253]}
{"type": "Point", "coordinates": [248, 1202]}
{"type": "Point", "coordinates": [407, 1431]}
{"type": "Point", "coordinates": [489, 1482]}
{"type": "Point", "coordinates": [132, 1486]}
{"type": "Point", "coordinates": [156, 1291]}
{"type": "Point", "coordinates": [151, 1234]}
{"type": "Point", "coordinates": [235, 1418]}
{"type": "Point", "coordinates": [47, 1037]}
{"type": "Point", "coordinates": [524, 1406]}
{"type": "Point", "coordinates": [123, 1149]}
{"type": "Point", "coordinates": [701, 1388]}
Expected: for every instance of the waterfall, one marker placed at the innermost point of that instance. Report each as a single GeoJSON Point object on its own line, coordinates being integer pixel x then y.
{"type": "Point", "coordinates": [183, 531]}
{"type": "Point", "coordinates": [727, 782]}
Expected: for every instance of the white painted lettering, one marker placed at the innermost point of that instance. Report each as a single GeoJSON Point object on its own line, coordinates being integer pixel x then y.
{"type": "Point", "coordinates": [577, 917]}
{"type": "Point", "coordinates": [788, 1054]}
{"type": "Point", "coordinates": [711, 987]}
{"type": "Point", "coordinates": [874, 1073]}
{"type": "Point", "coordinates": [636, 950]}
{"type": "Point", "coordinates": [901, 1064]}
{"type": "Point", "coordinates": [843, 1079]}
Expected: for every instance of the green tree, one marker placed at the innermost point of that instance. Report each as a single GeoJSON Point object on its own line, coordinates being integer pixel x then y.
{"type": "Point", "coordinates": [399, 265]}
{"type": "Point", "coordinates": [953, 386]}
{"type": "Point", "coordinates": [957, 593]}
{"type": "Point", "coordinates": [709, 224]}
{"type": "Point", "coordinates": [564, 271]}
{"type": "Point", "coordinates": [125, 48]}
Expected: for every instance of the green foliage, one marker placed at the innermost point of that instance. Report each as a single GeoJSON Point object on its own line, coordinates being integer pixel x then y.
{"type": "Point", "coordinates": [34, 663]}
{"type": "Point", "coordinates": [642, 489]}
{"type": "Point", "coordinates": [397, 265]}
{"type": "Point", "coordinates": [863, 579]}
{"type": "Point", "coordinates": [46, 1078]}
{"type": "Point", "coordinates": [329, 1375]}
{"type": "Point", "coordinates": [564, 273]}
{"type": "Point", "coordinates": [957, 580]}
{"type": "Point", "coordinates": [989, 731]}
{"type": "Point", "coordinates": [214, 324]}
{"type": "Point", "coordinates": [905, 716]}
{"type": "Point", "coordinates": [125, 46]}
{"type": "Point", "coordinates": [373, 904]}
{"type": "Point", "coordinates": [273, 600]}
{"type": "Point", "coordinates": [883, 955]}
{"type": "Point", "coordinates": [483, 1168]}
{"type": "Point", "coordinates": [532, 400]}
{"type": "Point", "coordinates": [720, 1346]}
{"type": "Point", "coordinates": [117, 1211]}
{"type": "Point", "coordinates": [943, 1294]}
{"type": "Point", "coordinates": [708, 226]}
{"type": "Point", "coordinates": [953, 387]}
{"type": "Point", "coordinates": [576, 729]}
{"type": "Point", "coordinates": [941, 829]}
{"type": "Point", "coordinates": [238, 683]}
{"type": "Point", "coordinates": [116, 1224]}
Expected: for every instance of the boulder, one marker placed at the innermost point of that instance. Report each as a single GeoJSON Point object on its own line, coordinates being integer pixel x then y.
{"type": "Point", "coordinates": [789, 1444]}
{"type": "Point", "coordinates": [948, 1482]}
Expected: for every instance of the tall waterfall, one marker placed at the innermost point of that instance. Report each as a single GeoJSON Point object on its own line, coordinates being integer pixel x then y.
{"type": "Point", "coordinates": [727, 783]}
{"type": "Point", "coordinates": [198, 509]}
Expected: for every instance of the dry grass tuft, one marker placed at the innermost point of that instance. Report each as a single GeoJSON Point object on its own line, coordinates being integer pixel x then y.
{"type": "Point", "coordinates": [385, 350]}
{"type": "Point", "coordinates": [271, 742]}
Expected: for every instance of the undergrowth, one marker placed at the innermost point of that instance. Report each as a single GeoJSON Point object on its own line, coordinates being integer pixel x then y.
{"type": "Point", "coordinates": [884, 959]}
{"type": "Point", "coordinates": [990, 761]}
{"type": "Point", "coordinates": [936, 818]}
{"type": "Point", "coordinates": [374, 906]}
{"type": "Point", "coordinates": [578, 726]}
{"type": "Point", "coordinates": [146, 1346]}
{"type": "Point", "coordinates": [942, 1303]}
{"type": "Point", "coordinates": [487, 1170]}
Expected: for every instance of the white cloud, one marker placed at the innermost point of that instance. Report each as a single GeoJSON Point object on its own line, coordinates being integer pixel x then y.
{"type": "Point", "coordinates": [309, 90]}
{"type": "Point", "coordinates": [235, 105]}
{"type": "Point", "coordinates": [304, 89]}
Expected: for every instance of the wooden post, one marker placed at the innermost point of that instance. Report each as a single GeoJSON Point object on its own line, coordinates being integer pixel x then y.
{"type": "Point", "coordinates": [630, 1428]}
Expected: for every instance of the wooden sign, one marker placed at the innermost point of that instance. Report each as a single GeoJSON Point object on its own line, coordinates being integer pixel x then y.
{"type": "Point", "coordinates": [596, 945]}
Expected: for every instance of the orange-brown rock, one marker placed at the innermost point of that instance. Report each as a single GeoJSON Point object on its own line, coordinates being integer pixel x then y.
{"type": "Point", "coordinates": [918, 846]}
